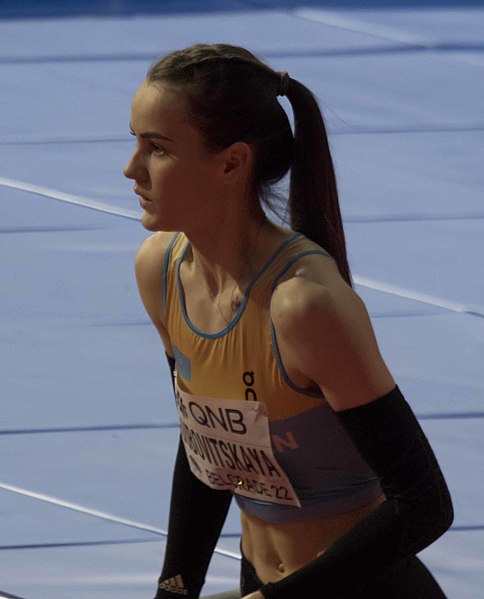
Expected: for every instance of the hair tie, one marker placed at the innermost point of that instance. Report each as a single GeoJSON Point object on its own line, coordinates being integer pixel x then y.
{"type": "Point", "coordinates": [284, 81]}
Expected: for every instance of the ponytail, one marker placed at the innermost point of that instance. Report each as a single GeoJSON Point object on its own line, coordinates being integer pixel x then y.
{"type": "Point", "coordinates": [313, 197]}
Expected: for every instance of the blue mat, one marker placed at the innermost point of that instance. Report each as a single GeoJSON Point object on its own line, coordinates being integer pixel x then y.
{"type": "Point", "coordinates": [88, 426]}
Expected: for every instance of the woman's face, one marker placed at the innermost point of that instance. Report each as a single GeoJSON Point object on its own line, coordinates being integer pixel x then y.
{"type": "Point", "coordinates": [175, 176]}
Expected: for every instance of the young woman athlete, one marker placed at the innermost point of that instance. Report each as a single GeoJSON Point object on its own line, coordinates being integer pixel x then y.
{"type": "Point", "coordinates": [285, 402]}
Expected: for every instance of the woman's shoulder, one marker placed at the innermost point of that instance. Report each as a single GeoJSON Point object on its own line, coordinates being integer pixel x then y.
{"type": "Point", "coordinates": [149, 276]}
{"type": "Point", "coordinates": [325, 332]}
{"type": "Point", "coordinates": [151, 253]}
{"type": "Point", "coordinates": [313, 293]}
{"type": "Point", "coordinates": [312, 276]}
{"type": "Point", "coordinates": [149, 262]}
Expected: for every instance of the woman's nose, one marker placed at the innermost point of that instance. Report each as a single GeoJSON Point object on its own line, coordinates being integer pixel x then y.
{"type": "Point", "coordinates": [134, 169]}
{"type": "Point", "coordinates": [129, 168]}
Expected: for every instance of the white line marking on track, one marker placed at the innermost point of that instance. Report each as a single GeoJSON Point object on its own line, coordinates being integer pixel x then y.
{"type": "Point", "coordinates": [69, 198]}
{"type": "Point", "coordinates": [4, 596]}
{"type": "Point", "coordinates": [416, 295]}
{"type": "Point", "coordinates": [334, 19]}
{"type": "Point", "coordinates": [98, 514]}
{"type": "Point", "coordinates": [378, 30]}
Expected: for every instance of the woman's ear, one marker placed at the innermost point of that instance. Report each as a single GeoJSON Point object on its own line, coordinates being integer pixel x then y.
{"type": "Point", "coordinates": [238, 160]}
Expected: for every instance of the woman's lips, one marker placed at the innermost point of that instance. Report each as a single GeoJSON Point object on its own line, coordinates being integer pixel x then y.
{"type": "Point", "coordinates": [144, 203]}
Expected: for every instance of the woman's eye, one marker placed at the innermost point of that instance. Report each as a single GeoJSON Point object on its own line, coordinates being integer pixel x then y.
{"type": "Point", "coordinates": [158, 150]}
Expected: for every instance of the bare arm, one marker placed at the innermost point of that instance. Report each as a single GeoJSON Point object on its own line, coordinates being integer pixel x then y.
{"type": "Point", "coordinates": [149, 276]}
{"type": "Point", "coordinates": [197, 512]}
{"type": "Point", "coordinates": [326, 337]}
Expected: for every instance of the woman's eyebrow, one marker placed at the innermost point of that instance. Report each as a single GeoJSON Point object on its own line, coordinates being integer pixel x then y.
{"type": "Point", "coordinates": [151, 134]}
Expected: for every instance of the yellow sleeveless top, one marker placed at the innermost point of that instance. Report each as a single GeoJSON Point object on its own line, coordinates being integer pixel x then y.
{"type": "Point", "coordinates": [242, 362]}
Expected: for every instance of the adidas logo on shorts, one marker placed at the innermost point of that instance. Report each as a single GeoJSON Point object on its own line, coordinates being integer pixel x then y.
{"type": "Point", "coordinates": [174, 585]}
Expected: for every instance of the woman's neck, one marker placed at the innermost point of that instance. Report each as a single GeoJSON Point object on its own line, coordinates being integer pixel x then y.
{"type": "Point", "coordinates": [230, 254]}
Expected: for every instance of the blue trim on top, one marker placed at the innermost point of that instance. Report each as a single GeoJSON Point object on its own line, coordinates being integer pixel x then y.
{"type": "Point", "coordinates": [295, 259]}
{"type": "Point", "coordinates": [166, 262]}
{"type": "Point", "coordinates": [280, 365]}
{"type": "Point", "coordinates": [240, 311]}
{"type": "Point", "coordinates": [283, 372]}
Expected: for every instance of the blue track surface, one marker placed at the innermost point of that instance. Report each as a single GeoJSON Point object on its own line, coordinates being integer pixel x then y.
{"type": "Point", "coordinates": [87, 425]}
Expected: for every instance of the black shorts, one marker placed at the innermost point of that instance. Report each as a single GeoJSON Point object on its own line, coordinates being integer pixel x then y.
{"type": "Point", "coordinates": [408, 579]}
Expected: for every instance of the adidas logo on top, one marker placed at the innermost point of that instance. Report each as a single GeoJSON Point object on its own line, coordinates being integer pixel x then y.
{"type": "Point", "coordinates": [174, 585]}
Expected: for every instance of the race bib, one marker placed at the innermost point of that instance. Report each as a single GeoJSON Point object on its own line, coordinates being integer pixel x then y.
{"type": "Point", "coordinates": [228, 446]}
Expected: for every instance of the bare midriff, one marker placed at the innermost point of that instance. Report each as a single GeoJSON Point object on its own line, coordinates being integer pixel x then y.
{"type": "Point", "coordinates": [277, 550]}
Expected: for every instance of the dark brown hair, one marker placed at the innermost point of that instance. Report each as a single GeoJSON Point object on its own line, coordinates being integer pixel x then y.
{"type": "Point", "coordinates": [232, 96]}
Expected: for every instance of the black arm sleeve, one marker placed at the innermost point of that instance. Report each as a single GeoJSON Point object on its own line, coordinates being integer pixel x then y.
{"type": "Point", "coordinates": [418, 508]}
{"type": "Point", "coordinates": [197, 515]}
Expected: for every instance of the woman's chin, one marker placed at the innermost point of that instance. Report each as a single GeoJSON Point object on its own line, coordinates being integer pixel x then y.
{"type": "Point", "coordinates": [149, 221]}
{"type": "Point", "coordinates": [152, 222]}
